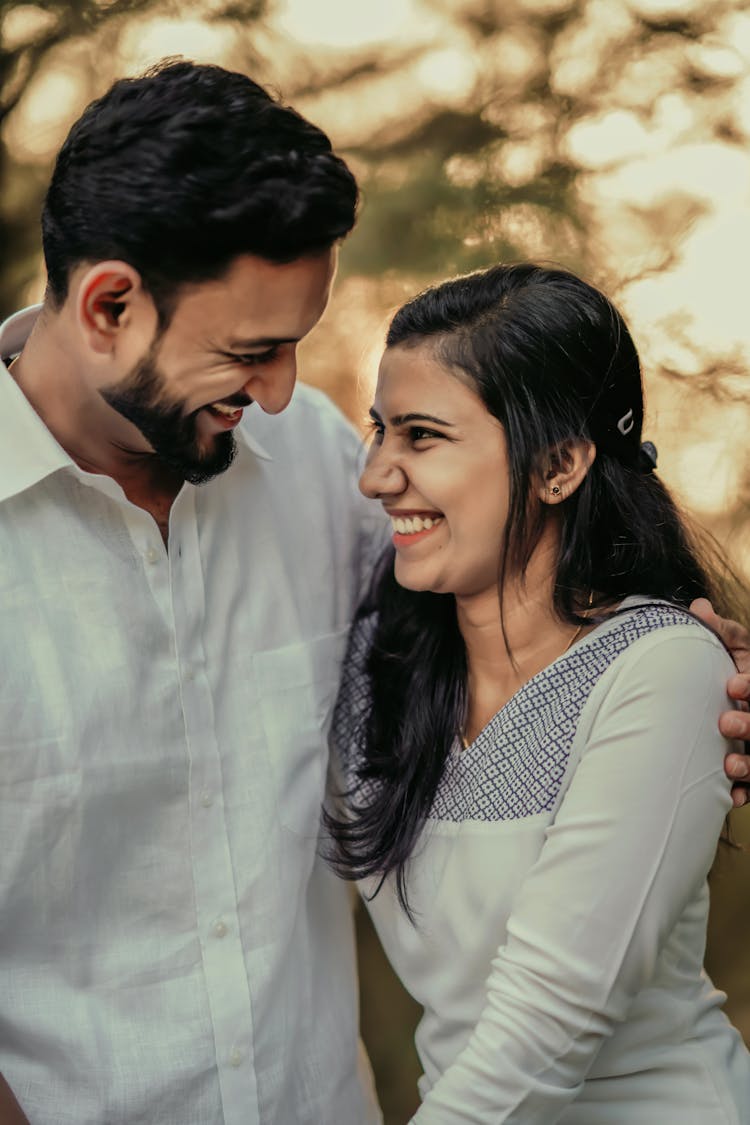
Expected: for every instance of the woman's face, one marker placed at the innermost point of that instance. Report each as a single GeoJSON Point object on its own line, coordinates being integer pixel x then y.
{"type": "Point", "coordinates": [438, 464]}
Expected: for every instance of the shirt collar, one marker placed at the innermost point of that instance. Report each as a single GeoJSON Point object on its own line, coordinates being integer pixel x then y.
{"type": "Point", "coordinates": [244, 437]}
{"type": "Point", "coordinates": [28, 450]}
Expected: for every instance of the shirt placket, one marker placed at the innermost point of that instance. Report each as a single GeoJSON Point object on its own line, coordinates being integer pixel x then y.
{"type": "Point", "coordinates": [176, 580]}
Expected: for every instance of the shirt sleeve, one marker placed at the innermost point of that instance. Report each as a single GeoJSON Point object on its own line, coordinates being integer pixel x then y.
{"type": "Point", "coordinates": [631, 845]}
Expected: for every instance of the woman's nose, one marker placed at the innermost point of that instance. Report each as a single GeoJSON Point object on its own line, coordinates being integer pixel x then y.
{"type": "Point", "coordinates": [381, 476]}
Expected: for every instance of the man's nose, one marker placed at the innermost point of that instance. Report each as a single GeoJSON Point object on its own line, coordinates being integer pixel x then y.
{"type": "Point", "coordinates": [272, 388]}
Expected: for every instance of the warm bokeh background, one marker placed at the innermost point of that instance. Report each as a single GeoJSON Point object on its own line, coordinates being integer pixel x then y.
{"type": "Point", "coordinates": [608, 135]}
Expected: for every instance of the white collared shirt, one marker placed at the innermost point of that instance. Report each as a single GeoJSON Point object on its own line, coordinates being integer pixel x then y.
{"type": "Point", "coordinates": [171, 950]}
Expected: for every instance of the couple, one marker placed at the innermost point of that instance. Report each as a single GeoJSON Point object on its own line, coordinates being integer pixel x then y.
{"type": "Point", "coordinates": [528, 717]}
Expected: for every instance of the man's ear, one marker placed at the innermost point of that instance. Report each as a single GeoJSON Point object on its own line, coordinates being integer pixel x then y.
{"type": "Point", "coordinates": [566, 469]}
{"type": "Point", "coordinates": [111, 302]}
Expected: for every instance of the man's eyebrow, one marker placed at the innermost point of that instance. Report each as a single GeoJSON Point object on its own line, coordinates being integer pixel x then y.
{"type": "Point", "coordinates": [260, 342]}
{"type": "Point", "coordinates": [402, 419]}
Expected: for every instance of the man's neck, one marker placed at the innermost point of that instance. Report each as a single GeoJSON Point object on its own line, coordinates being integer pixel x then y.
{"type": "Point", "coordinates": [77, 417]}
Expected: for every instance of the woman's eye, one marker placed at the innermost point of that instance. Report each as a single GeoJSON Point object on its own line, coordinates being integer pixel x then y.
{"type": "Point", "coordinates": [375, 431]}
{"type": "Point", "coordinates": [419, 433]}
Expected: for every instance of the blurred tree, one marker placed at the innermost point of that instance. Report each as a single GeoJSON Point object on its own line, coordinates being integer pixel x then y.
{"type": "Point", "coordinates": [31, 34]}
{"type": "Point", "coordinates": [610, 135]}
{"type": "Point", "coordinates": [38, 31]}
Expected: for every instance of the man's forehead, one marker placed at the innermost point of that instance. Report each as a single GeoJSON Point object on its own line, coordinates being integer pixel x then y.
{"type": "Point", "coordinates": [256, 304]}
{"type": "Point", "coordinates": [263, 282]}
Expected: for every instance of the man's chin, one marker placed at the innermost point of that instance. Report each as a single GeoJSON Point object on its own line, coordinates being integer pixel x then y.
{"type": "Point", "coordinates": [206, 464]}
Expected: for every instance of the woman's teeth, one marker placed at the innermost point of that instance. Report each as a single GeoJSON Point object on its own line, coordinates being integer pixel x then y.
{"type": "Point", "coordinates": [410, 525]}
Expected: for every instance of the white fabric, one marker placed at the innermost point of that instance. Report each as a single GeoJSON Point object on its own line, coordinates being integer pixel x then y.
{"type": "Point", "coordinates": [171, 952]}
{"type": "Point", "coordinates": [559, 955]}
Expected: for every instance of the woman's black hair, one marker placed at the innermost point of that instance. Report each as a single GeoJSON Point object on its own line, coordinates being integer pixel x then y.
{"type": "Point", "coordinates": [552, 359]}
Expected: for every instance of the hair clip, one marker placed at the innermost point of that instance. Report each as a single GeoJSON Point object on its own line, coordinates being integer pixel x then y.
{"type": "Point", "coordinates": [626, 423]}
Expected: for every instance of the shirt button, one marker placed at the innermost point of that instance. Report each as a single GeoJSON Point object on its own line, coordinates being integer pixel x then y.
{"type": "Point", "coordinates": [219, 928]}
{"type": "Point", "coordinates": [207, 798]}
{"type": "Point", "coordinates": [151, 555]}
{"type": "Point", "coordinates": [235, 1056]}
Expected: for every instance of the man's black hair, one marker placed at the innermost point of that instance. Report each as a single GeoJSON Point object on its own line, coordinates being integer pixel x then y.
{"type": "Point", "coordinates": [180, 170]}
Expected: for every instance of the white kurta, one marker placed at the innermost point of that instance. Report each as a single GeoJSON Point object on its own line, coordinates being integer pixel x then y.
{"type": "Point", "coordinates": [561, 898]}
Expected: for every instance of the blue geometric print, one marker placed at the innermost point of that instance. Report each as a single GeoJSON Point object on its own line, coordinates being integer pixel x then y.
{"type": "Point", "coordinates": [516, 765]}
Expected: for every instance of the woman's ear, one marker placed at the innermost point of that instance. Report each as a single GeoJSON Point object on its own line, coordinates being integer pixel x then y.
{"type": "Point", "coordinates": [566, 468]}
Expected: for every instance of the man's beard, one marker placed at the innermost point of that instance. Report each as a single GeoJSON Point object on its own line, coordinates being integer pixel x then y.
{"type": "Point", "coordinates": [173, 436]}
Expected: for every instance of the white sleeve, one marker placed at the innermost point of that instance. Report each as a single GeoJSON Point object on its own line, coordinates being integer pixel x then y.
{"type": "Point", "coordinates": [632, 843]}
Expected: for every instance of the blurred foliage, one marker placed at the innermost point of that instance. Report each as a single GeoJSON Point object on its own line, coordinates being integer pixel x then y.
{"type": "Point", "coordinates": [21, 185]}
{"type": "Point", "coordinates": [609, 135]}
{"type": "Point", "coordinates": [32, 35]}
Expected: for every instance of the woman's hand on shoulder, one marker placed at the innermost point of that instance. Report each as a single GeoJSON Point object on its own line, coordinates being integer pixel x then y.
{"type": "Point", "coordinates": [733, 724]}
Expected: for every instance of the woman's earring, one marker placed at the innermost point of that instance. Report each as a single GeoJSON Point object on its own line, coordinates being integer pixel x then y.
{"type": "Point", "coordinates": [555, 490]}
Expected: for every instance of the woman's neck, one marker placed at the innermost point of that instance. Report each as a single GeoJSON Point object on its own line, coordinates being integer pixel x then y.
{"type": "Point", "coordinates": [535, 637]}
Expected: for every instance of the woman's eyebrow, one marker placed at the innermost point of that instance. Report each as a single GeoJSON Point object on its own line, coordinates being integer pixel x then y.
{"type": "Point", "coordinates": [402, 419]}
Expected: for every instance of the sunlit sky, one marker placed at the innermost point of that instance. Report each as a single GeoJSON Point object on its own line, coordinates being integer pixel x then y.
{"type": "Point", "coordinates": [353, 24]}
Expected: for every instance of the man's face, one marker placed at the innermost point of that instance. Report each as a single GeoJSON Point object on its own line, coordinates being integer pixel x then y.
{"type": "Point", "coordinates": [230, 342]}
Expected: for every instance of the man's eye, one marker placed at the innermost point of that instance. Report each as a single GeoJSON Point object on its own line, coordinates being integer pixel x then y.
{"type": "Point", "coordinates": [254, 358]}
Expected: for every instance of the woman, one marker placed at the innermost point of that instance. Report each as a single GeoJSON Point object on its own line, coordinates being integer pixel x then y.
{"type": "Point", "coordinates": [528, 722]}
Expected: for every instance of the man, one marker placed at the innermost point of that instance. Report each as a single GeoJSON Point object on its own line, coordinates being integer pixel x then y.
{"type": "Point", "coordinates": [171, 949]}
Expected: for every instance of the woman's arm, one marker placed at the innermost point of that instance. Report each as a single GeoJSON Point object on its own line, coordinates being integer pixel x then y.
{"type": "Point", "coordinates": [631, 845]}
